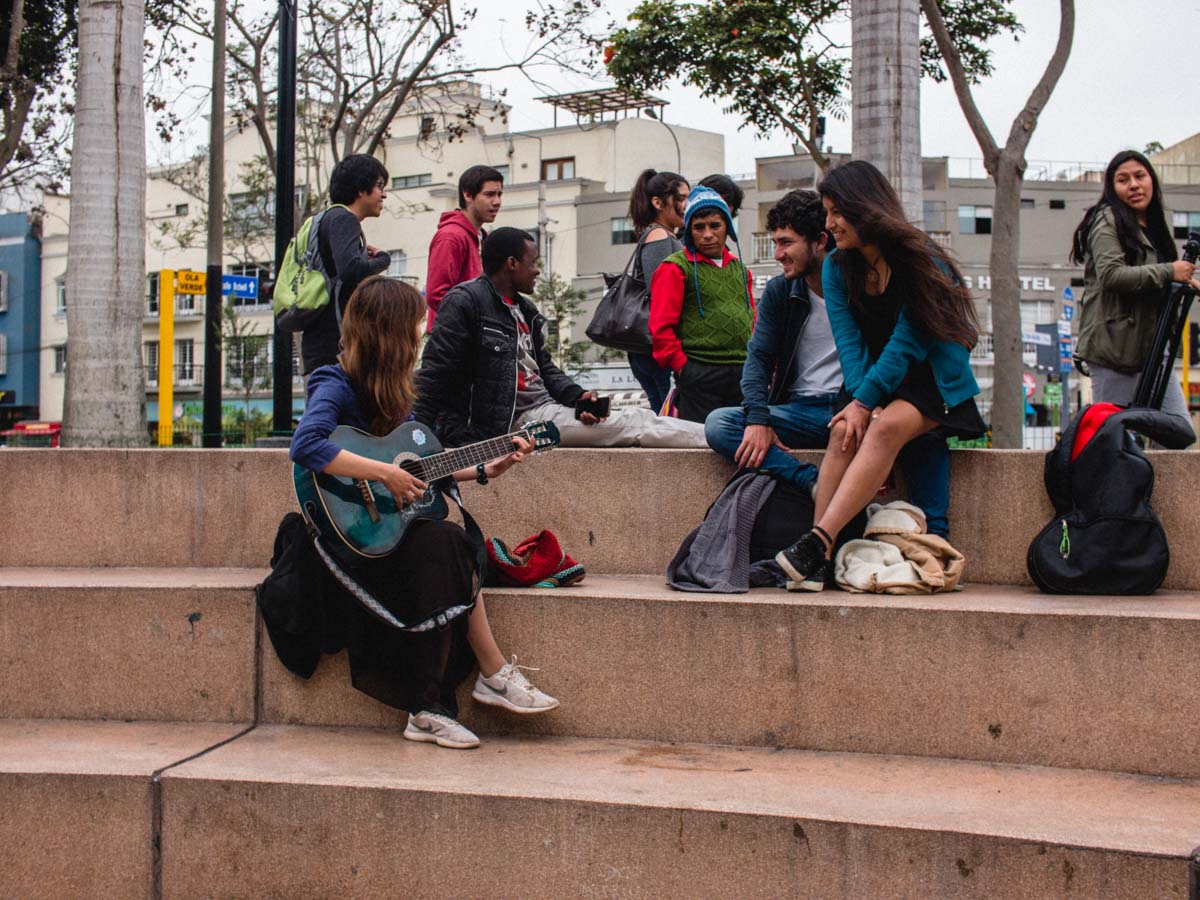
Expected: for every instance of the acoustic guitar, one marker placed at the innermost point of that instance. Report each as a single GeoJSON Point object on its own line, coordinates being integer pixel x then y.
{"type": "Point", "coordinates": [363, 515]}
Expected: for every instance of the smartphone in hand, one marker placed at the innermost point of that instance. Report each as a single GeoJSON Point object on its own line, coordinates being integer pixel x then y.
{"type": "Point", "coordinates": [598, 408]}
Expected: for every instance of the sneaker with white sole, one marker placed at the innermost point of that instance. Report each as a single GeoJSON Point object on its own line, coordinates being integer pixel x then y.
{"type": "Point", "coordinates": [510, 689]}
{"type": "Point", "coordinates": [434, 728]}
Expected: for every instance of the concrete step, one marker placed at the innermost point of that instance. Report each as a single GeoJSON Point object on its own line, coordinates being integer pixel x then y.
{"type": "Point", "coordinates": [147, 644]}
{"type": "Point", "coordinates": [989, 673]}
{"type": "Point", "coordinates": [77, 803]}
{"type": "Point", "coordinates": [617, 511]}
{"type": "Point", "coordinates": [305, 812]}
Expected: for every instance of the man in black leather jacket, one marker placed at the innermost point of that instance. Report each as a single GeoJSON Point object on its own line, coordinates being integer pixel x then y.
{"type": "Point", "coordinates": [486, 369]}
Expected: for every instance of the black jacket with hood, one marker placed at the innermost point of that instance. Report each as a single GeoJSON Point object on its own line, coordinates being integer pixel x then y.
{"type": "Point", "coordinates": [467, 383]}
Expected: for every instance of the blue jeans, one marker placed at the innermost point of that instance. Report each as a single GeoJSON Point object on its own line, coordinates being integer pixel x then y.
{"type": "Point", "coordinates": [803, 423]}
{"type": "Point", "coordinates": [655, 380]}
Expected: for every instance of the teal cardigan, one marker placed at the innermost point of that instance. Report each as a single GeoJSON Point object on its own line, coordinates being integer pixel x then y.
{"type": "Point", "coordinates": [871, 384]}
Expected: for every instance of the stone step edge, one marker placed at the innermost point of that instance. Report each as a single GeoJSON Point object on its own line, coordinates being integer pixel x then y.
{"type": "Point", "coordinates": [1083, 809]}
{"type": "Point", "coordinates": [1062, 807]}
{"type": "Point", "coordinates": [975, 598]}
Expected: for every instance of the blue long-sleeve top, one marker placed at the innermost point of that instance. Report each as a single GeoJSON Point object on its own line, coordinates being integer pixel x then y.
{"type": "Point", "coordinates": [871, 383]}
{"type": "Point", "coordinates": [331, 402]}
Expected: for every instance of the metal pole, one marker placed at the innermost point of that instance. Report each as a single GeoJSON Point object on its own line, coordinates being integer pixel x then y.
{"type": "Point", "coordinates": [166, 358]}
{"type": "Point", "coordinates": [285, 199]}
{"type": "Point", "coordinates": [211, 421]}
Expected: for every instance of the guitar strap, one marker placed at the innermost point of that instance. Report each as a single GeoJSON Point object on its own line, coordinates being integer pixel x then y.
{"type": "Point", "coordinates": [381, 612]}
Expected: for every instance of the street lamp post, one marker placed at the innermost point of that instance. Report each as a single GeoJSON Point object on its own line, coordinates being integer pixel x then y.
{"type": "Point", "coordinates": [285, 201]}
{"type": "Point", "coordinates": [650, 113]}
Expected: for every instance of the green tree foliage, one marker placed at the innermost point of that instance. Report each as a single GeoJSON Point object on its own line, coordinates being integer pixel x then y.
{"type": "Point", "coordinates": [561, 304]}
{"type": "Point", "coordinates": [774, 61]}
{"type": "Point", "coordinates": [248, 370]}
{"type": "Point", "coordinates": [39, 45]}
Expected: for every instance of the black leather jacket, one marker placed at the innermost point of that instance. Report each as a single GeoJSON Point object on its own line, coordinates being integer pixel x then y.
{"type": "Point", "coordinates": [467, 383]}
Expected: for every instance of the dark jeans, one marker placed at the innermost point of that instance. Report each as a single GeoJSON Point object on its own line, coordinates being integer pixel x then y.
{"type": "Point", "coordinates": [703, 387]}
{"type": "Point", "coordinates": [802, 423]}
{"type": "Point", "coordinates": [655, 380]}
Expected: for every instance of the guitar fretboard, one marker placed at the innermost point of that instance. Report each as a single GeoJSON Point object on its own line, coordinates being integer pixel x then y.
{"type": "Point", "coordinates": [439, 465]}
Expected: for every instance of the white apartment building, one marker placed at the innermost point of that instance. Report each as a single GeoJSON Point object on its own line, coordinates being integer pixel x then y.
{"type": "Point", "coordinates": [546, 169]}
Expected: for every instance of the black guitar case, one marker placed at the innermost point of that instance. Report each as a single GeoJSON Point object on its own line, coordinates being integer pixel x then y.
{"type": "Point", "coordinates": [1104, 537]}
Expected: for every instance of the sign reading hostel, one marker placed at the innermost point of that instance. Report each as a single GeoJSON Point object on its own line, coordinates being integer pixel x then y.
{"type": "Point", "coordinates": [190, 282]}
{"type": "Point", "coordinates": [244, 287]}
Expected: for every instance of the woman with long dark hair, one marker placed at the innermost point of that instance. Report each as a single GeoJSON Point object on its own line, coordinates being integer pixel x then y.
{"type": "Point", "coordinates": [904, 326]}
{"type": "Point", "coordinates": [1129, 261]}
{"type": "Point", "coordinates": [429, 579]}
{"type": "Point", "coordinates": [656, 211]}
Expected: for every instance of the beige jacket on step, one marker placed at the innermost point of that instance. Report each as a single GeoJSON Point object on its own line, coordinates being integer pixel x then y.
{"type": "Point", "coordinates": [896, 556]}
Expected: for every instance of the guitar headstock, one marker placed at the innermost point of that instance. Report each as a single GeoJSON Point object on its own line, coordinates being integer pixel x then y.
{"type": "Point", "coordinates": [543, 435]}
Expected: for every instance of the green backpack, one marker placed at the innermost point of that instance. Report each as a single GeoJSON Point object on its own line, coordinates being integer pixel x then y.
{"type": "Point", "coordinates": [303, 288]}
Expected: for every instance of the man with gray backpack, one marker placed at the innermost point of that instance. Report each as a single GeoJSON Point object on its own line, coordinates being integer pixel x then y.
{"type": "Point", "coordinates": [329, 257]}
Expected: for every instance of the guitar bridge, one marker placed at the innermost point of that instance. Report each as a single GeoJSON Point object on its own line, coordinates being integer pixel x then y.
{"type": "Point", "coordinates": [364, 488]}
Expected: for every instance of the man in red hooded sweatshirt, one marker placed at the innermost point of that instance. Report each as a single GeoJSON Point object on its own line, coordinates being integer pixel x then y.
{"type": "Point", "coordinates": [454, 250]}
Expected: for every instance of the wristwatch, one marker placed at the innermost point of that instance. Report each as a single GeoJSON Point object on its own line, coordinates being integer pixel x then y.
{"type": "Point", "coordinates": [481, 474]}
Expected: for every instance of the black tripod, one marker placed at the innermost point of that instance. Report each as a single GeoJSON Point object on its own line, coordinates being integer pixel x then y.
{"type": "Point", "coordinates": [1156, 370]}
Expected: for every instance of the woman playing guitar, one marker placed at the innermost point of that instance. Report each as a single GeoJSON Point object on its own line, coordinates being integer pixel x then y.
{"type": "Point", "coordinates": [429, 577]}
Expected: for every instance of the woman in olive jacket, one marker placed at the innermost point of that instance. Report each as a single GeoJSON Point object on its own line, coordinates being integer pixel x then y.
{"type": "Point", "coordinates": [1129, 260]}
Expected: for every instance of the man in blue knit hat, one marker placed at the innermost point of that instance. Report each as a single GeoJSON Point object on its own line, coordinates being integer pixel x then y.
{"type": "Point", "coordinates": [702, 311]}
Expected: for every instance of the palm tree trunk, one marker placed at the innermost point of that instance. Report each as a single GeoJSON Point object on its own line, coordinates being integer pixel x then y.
{"type": "Point", "coordinates": [105, 397]}
{"type": "Point", "coordinates": [885, 74]}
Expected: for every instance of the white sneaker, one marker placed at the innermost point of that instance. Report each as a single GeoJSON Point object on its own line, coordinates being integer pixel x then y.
{"type": "Point", "coordinates": [511, 690]}
{"type": "Point", "coordinates": [444, 731]}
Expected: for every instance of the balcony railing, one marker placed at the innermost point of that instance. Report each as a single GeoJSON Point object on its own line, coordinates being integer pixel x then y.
{"type": "Point", "coordinates": [185, 375]}
{"type": "Point", "coordinates": [763, 249]}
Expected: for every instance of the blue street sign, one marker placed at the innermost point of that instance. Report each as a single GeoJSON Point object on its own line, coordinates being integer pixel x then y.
{"type": "Point", "coordinates": [1068, 311]}
{"type": "Point", "coordinates": [243, 286]}
{"type": "Point", "coordinates": [1068, 294]}
{"type": "Point", "coordinates": [1065, 366]}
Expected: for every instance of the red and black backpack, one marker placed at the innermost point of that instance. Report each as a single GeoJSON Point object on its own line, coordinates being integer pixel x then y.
{"type": "Point", "coordinates": [1104, 537]}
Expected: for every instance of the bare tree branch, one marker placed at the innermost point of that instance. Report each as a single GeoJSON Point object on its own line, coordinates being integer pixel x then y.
{"type": "Point", "coordinates": [962, 87]}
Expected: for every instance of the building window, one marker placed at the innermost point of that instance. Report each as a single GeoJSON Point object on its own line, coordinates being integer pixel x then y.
{"type": "Point", "coordinates": [503, 170]}
{"type": "Point", "coordinates": [399, 263]}
{"type": "Point", "coordinates": [152, 294]}
{"type": "Point", "coordinates": [1184, 222]}
{"type": "Point", "coordinates": [181, 209]}
{"type": "Point", "coordinates": [151, 348]}
{"type": "Point", "coordinates": [1027, 203]}
{"type": "Point", "coordinates": [1058, 204]}
{"type": "Point", "coordinates": [60, 359]}
{"type": "Point", "coordinates": [558, 169]}
{"type": "Point", "coordinates": [185, 305]}
{"type": "Point", "coordinates": [411, 181]}
{"type": "Point", "coordinates": [248, 361]}
{"type": "Point", "coordinates": [60, 296]}
{"type": "Point", "coordinates": [622, 231]}
{"type": "Point", "coordinates": [974, 220]}
{"type": "Point", "coordinates": [1037, 312]}
{"type": "Point", "coordinates": [185, 370]}
{"type": "Point", "coordinates": [428, 126]}
{"type": "Point", "coordinates": [261, 271]}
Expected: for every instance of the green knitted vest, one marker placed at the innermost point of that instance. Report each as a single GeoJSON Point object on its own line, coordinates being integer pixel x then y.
{"type": "Point", "coordinates": [720, 335]}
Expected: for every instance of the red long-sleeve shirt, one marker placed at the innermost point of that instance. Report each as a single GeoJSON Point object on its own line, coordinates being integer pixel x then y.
{"type": "Point", "coordinates": [666, 306]}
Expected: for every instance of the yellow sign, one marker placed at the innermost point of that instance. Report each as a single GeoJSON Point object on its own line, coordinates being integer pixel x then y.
{"type": "Point", "coordinates": [191, 282]}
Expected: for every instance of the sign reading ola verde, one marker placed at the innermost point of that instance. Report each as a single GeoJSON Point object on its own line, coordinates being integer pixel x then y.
{"type": "Point", "coordinates": [187, 282]}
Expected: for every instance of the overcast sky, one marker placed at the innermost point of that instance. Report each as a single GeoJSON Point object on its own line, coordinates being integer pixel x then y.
{"type": "Point", "coordinates": [1127, 83]}
{"type": "Point", "coordinates": [1124, 85]}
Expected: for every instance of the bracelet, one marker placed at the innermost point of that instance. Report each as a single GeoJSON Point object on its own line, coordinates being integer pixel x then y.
{"type": "Point", "coordinates": [481, 474]}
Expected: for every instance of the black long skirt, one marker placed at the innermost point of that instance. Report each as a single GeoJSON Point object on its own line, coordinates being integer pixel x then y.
{"type": "Point", "coordinates": [432, 570]}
